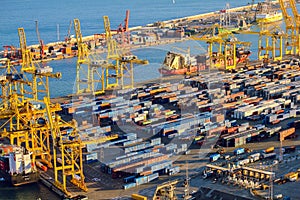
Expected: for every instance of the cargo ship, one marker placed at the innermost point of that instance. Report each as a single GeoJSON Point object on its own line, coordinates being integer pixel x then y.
{"type": "Point", "coordinates": [16, 166]}
{"type": "Point", "coordinates": [181, 64]}
{"type": "Point", "coordinates": [269, 17]}
{"type": "Point", "coordinates": [266, 14]}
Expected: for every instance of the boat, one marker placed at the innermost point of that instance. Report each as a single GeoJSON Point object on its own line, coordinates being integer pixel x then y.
{"type": "Point", "coordinates": [266, 14]}
{"type": "Point", "coordinates": [16, 165]}
{"type": "Point", "coordinates": [182, 64]}
{"type": "Point", "coordinates": [269, 17]}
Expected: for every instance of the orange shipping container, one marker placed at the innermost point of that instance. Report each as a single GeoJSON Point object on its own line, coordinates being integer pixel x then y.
{"type": "Point", "coordinates": [232, 129]}
{"type": "Point", "coordinates": [146, 173]}
{"type": "Point", "coordinates": [285, 133]}
{"type": "Point", "coordinates": [68, 50]}
{"type": "Point", "coordinates": [71, 110]}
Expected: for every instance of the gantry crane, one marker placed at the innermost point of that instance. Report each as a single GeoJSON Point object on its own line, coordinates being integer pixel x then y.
{"type": "Point", "coordinates": [270, 41]}
{"type": "Point", "coordinates": [222, 47]}
{"type": "Point", "coordinates": [83, 77]}
{"type": "Point", "coordinates": [23, 125]}
{"type": "Point", "coordinates": [166, 191]}
{"type": "Point", "coordinates": [292, 41]}
{"type": "Point", "coordinates": [41, 42]}
{"type": "Point", "coordinates": [67, 149]}
{"type": "Point", "coordinates": [124, 32]}
{"type": "Point", "coordinates": [296, 24]}
{"type": "Point", "coordinates": [39, 75]}
{"type": "Point", "coordinates": [111, 74]}
{"type": "Point", "coordinates": [90, 67]}
{"type": "Point", "coordinates": [68, 37]}
{"type": "Point", "coordinates": [123, 68]}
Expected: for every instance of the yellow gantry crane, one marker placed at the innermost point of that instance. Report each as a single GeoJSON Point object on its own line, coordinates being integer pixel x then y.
{"type": "Point", "coordinates": [30, 122]}
{"type": "Point", "coordinates": [39, 76]}
{"type": "Point", "coordinates": [292, 42]}
{"type": "Point", "coordinates": [297, 25]}
{"type": "Point", "coordinates": [90, 68]}
{"type": "Point", "coordinates": [270, 41]}
{"type": "Point", "coordinates": [166, 191]}
{"type": "Point", "coordinates": [38, 134]}
{"type": "Point", "coordinates": [83, 71]}
{"type": "Point", "coordinates": [124, 61]}
{"type": "Point", "coordinates": [67, 150]}
{"type": "Point", "coordinates": [222, 47]}
{"type": "Point", "coordinates": [111, 74]}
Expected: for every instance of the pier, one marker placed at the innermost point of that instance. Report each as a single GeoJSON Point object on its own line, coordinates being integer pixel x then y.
{"type": "Point", "coordinates": [241, 118]}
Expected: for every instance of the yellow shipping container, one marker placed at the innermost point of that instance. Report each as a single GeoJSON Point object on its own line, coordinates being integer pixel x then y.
{"type": "Point", "coordinates": [138, 197]}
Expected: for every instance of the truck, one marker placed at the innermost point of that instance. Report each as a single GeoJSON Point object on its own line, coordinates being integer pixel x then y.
{"type": "Point", "coordinates": [214, 157]}
{"type": "Point", "coordinates": [239, 151]}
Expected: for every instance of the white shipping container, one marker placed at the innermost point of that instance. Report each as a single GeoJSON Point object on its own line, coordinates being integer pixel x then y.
{"type": "Point", "coordinates": [92, 156]}
{"type": "Point", "coordinates": [27, 163]}
{"type": "Point", "coordinates": [19, 162]}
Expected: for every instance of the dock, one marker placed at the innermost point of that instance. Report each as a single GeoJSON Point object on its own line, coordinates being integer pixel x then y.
{"type": "Point", "coordinates": [244, 122]}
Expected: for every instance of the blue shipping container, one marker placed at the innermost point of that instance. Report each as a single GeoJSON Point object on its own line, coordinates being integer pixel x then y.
{"type": "Point", "coordinates": [239, 151]}
{"type": "Point", "coordinates": [214, 157]}
{"type": "Point", "coordinates": [129, 185]}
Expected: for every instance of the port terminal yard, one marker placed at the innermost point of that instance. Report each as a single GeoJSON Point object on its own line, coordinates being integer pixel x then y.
{"type": "Point", "coordinates": [160, 126]}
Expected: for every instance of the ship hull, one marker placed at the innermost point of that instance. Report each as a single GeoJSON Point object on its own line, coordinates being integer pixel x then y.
{"type": "Point", "coordinates": [20, 179]}
{"type": "Point", "coordinates": [182, 71]}
{"type": "Point", "coordinates": [269, 18]}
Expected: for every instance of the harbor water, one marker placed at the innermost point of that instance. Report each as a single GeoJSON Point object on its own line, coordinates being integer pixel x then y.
{"type": "Point", "coordinates": [54, 18]}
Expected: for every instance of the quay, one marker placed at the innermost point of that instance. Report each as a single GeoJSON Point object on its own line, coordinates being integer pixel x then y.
{"type": "Point", "coordinates": [126, 143]}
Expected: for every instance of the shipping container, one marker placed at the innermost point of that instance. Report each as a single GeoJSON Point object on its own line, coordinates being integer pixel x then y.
{"type": "Point", "coordinates": [268, 155]}
{"type": "Point", "coordinates": [214, 157]}
{"type": "Point", "coordinates": [269, 150]}
{"type": "Point", "coordinates": [254, 157]}
{"type": "Point", "coordinates": [138, 197]}
{"type": "Point", "coordinates": [129, 185]}
{"type": "Point", "coordinates": [129, 179]}
{"type": "Point", "coordinates": [239, 151]}
{"type": "Point", "coordinates": [153, 177]}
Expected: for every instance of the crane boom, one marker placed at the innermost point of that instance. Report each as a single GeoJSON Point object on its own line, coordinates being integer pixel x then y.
{"type": "Point", "coordinates": [112, 52]}
{"type": "Point", "coordinates": [287, 18]}
{"type": "Point", "coordinates": [68, 37]}
{"type": "Point", "coordinates": [39, 39]}
{"type": "Point", "coordinates": [126, 21]}
{"type": "Point", "coordinates": [295, 13]}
